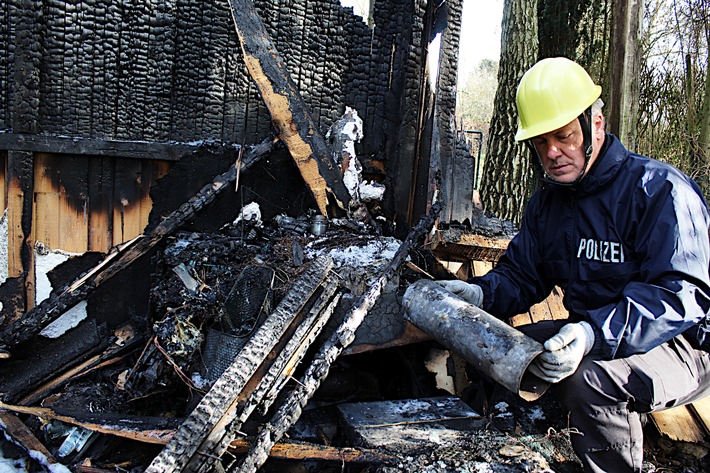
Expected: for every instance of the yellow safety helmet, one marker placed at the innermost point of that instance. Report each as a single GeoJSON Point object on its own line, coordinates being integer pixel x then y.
{"type": "Point", "coordinates": [551, 94]}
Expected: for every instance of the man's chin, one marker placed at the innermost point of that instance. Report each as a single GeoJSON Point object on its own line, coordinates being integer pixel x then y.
{"type": "Point", "coordinates": [564, 178]}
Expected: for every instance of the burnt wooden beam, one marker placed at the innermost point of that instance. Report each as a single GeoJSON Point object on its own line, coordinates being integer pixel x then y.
{"type": "Point", "coordinates": [302, 451]}
{"type": "Point", "coordinates": [289, 113]}
{"type": "Point", "coordinates": [94, 147]}
{"type": "Point", "coordinates": [290, 409]}
{"type": "Point", "coordinates": [20, 261]}
{"type": "Point", "coordinates": [58, 302]}
{"type": "Point", "coordinates": [159, 430]}
{"type": "Point", "coordinates": [153, 430]}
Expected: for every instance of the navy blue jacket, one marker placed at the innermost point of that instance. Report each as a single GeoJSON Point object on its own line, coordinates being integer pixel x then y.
{"type": "Point", "coordinates": [629, 246]}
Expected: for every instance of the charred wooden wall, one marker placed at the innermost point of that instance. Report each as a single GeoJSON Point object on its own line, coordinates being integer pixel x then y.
{"type": "Point", "coordinates": [172, 70]}
{"type": "Point", "coordinates": [93, 90]}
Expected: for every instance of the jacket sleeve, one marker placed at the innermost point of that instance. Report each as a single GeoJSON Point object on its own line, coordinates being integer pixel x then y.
{"type": "Point", "coordinates": [516, 283]}
{"type": "Point", "coordinates": [672, 292]}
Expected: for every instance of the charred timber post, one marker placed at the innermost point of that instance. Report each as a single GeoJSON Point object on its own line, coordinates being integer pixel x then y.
{"type": "Point", "coordinates": [289, 113]}
{"type": "Point", "coordinates": [292, 406]}
{"type": "Point", "coordinates": [20, 192]}
{"type": "Point", "coordinates": [57, 303]}
{"type": "Point", "coordinates": [489, 344]}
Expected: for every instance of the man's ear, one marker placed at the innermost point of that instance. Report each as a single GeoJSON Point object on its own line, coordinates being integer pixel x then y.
{"type": "Point", "coordinates": [598, 126]}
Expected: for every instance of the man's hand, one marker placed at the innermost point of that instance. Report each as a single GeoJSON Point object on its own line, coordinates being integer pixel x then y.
{"type": "Point", "coordinates": [471, 293]}
{"type": "Point", "coordinates": [564, 352]}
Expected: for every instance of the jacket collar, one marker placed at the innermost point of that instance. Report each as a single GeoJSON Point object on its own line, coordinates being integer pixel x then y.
{"type": "Point", "coordinates": [604, 169]}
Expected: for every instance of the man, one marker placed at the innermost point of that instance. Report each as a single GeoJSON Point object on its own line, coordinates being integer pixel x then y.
{"type": "Point", "coordinates": [626, 237]}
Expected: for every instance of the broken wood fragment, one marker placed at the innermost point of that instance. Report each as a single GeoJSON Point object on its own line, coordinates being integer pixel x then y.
{"type": "Point", "coordinates": [678, 424]}
{"type": "Point", "coordinates": [153, 430]}
{"type": "Point", "coordinates": [456, 245]}
{"type": "Point", "coordinates": [111, 355]}
{"type": "Point", "coordinates": [292, 406]}
{"type": "Point", "coordinates": [289, 113]}
{"type": "Point", "coordinates": [23, 436]}
{"type": "Point", "coordinates": [303, 451]}
{"type": "Point", "coordinates": [59, 302]}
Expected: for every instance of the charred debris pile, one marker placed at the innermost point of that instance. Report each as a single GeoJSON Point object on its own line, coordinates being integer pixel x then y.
{"type": "Point", "coordinates": [266, 344]}
{"type": "Point", "coordinates": [249, 358]}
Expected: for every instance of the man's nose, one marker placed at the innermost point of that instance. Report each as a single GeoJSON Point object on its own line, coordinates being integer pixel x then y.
{"type": "Point", "coordinates": [553, 150]}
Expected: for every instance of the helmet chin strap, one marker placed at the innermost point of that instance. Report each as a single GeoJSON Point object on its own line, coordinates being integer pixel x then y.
{"type": "Point", "coordinates": [584, 123]}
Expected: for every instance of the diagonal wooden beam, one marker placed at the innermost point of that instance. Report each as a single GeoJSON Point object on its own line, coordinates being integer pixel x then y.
{"type": "Point", "coordinates": [289, 113]}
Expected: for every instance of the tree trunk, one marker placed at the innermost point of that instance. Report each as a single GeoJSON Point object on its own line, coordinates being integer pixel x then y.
{"type": "Point", "coordinates": [557, 27]}
{"type": "Point", "coordinates": [509, 176]}
{"type": "Point", "coordinates": [624, 70]}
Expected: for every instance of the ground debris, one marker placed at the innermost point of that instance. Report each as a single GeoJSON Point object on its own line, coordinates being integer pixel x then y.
{"type": "Point", "coordinates": [480, 451]}
{"type": "Point", "coordinates": [147, 390]}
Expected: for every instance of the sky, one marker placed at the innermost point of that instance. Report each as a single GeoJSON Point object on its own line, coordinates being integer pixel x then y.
{"type": "Point", "coordinates": [480, 33]}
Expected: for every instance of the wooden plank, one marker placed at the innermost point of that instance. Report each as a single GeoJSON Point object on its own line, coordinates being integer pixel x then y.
{"type": "Point", "coordinates": [27, 60]}
{"type": "Point", "coordinates": [61, 212]}
{"type": "Point", "coordinates": [701, 408]}
{"type": "Point", "coordinates": [125, 425]}
{"type": "Point", "coordinates": [304, 451]}
{"type": "Point", "coordinates": [520, 319]}
{"type": "Point", "coordinates": [20, 254]}
{"type": "Point", "coordinates": [678, 424]}
{"type": "Point", "coordinates": [95, 148]}
{"type": "Point", "coordinates": [557, 308]}
{"type": "Point", "coordinates": [47, 218]}
{"type": "Point", "coordinates": [151, 172]}
{"type": "Point", "coordinates": [289, 113]}
{"type": "Point", "coordinates": [540, 312]}
{"type": "Point", "coordinates": [100, 180]}
{"type": "Point", "coordinates": [128, 193]}
{"type": "Point", "coordinates": [46, 205]}
{"type": "Point", "coordinates": [73, 203]}
{"type": "Point", "coordinates": [479, 268]}
{"type": "Point", "coordinates": [3, 180]}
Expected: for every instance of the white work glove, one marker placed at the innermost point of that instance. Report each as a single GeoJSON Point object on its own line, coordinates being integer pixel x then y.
{"type": "Point", "coordinates": [471, 293]}
{"type": "Point", "coordinates": [563, 352]}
